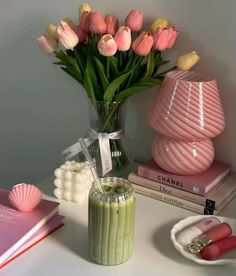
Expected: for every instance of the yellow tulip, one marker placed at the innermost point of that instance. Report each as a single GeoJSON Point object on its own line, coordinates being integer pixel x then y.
{"type": "Point", "coordinates": [187, 61]}
{"type": "Point", "coordinates": [84, 8]}
{"type": "Point", "coordinates": [160, 22]}
{"type": "Point", "coordinates": [52, 31]}
{"type": "Point", "coordinates": [69, 21]}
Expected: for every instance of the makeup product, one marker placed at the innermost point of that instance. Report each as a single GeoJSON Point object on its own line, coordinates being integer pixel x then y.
{"type": "Point", "coordinates": [216, 233]}
{"type": "Point", "coordinates": [187, 235]}
{"type": "Point", "coordinates": [216, 249]}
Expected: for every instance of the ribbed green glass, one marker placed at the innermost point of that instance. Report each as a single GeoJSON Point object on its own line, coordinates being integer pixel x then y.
{"type": "Point", "coordinates": [111, 221]}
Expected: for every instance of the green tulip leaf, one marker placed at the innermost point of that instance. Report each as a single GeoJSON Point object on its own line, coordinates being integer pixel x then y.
{"type": "Point", "coordinates": [131, 91]}
{"type": "Point", "coordinates": [66, 59]}
{"type": "Point", "coordinates": [138, 87]}
{"type": "Point", "coordinates": [102, 75]}
{"type": "Point", "coordinates": [88, 84]}
{"type": "Point", "coordinates": [114, 86]}
{"type": "Point", "coordinates": [114, 61]}
{"type": "Point", "coordinates": [80, 60]}
{"type": "Point", "coordinates": [150, 64]}
{"type": "Point", "coordinates": [113, 67]}
{"type": "Point", "coordinates": [131, 61]}
{"type": "Point", "coordinates": [157, 56]}
{"type": "Point", "coordinates": [158, 65]}
{"type": "Point", "coordinates": [150, 81]}
{"type": "Point", "coordinates": [90, 78]}
{"type": "Point", "coordinates": [136, 71]}
{"type": "Point", "coordinates": [59, 63]}
{"type": "Point", "coordinates": [73, 72]}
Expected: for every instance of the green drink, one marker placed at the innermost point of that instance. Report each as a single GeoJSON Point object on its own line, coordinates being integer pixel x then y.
{"type": "Point", "coordinates": [111, 221]}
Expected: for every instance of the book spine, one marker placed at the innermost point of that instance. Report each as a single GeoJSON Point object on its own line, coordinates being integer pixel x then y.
{"type": "Point", "coordinates": [188, 205]}
{"type": "Point", "coordinates": [174, 182]}
{"type": "Point", "coordinates": [165, 189]}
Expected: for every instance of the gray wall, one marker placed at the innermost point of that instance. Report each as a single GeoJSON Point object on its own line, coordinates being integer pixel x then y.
{"type": "Point", "coordinates": [42, 110]}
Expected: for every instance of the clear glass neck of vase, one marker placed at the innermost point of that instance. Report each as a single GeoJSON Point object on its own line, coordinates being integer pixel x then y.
{"type": "Point", "coordinates": [104, 117]}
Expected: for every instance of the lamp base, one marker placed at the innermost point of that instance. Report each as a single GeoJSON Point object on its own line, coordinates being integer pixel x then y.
{"type": "Point", "coordinates": [183, 157]}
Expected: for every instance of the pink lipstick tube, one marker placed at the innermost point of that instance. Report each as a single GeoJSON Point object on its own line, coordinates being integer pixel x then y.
{"type": "Point", "coordinates": [187, 235]}
{"type": "Point", "coordinates": [217, 233]}
{"type": "Point", "coordinates": [216, 249]}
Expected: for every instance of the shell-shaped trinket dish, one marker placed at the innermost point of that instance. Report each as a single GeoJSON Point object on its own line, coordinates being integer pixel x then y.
{"type": "Point", "coordinates": [25, 197]}
{"type": "Point", "coordinates": [225, 258]}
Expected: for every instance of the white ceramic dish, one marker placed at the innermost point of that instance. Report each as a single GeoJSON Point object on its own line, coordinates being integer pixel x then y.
{"type": "Point", "coordinates": [226, 258]}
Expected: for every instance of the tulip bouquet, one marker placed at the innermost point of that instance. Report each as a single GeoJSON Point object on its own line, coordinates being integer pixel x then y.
{"type": "Point", "coordinates": [112, 61]}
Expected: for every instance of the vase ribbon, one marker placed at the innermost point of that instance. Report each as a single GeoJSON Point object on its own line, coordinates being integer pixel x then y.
{"type": "Point", "coordinates": [104, 145]}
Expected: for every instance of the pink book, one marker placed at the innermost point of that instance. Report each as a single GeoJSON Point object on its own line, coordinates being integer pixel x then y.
{"type": "Point", "coordinates": [52, 225]}
{"type": "Point", "coordinates": [17, 227]}
{"type": "Point", "coordinates": [198, 183]}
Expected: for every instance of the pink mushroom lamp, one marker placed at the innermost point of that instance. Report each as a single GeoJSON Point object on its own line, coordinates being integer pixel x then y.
{"type": "Point", "coordinates": [186, 114]}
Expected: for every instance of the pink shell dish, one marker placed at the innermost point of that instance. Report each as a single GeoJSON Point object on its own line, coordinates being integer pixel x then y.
{"type": "Point", "coordinates": [25, 197]}
{"type": "Point", "coordinates": [187, 113]}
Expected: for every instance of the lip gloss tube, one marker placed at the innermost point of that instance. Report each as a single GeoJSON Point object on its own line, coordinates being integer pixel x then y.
{"type": "Point", "coordinates": [216, 249]}
{"type": "Point", "coordinates": [187, 235]}
{"type": "Point", "coordinates": [217, 233]}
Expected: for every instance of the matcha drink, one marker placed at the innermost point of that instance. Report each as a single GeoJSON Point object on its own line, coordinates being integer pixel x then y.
{"type": "Point", "coordinates": [111, 221]}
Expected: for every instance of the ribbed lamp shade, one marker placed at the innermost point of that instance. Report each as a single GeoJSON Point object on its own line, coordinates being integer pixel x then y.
{"type": "Point", "coordinates": [188, 107]}
{"type": "Point", "coordinates": [187, 113]}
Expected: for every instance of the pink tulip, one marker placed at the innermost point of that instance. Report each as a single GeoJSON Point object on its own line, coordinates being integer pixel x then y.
{"type": "Point", "coordinates": [47, 44]}
{"type": "Point", "coordinates": [134, 20]}
{"type": "Point", "coordinates": [83, 36]}
{"type": "Point", "coordinates": [161, 39]}
{"type": "Point", "coordinates": [97, 23]}
{"type": "Point", "coordinates": [67, 37]}
{"type": "Point", "coordinates": [164, 38]}
{"type": "Point", "coordinates": [107, 45]}
{"type": "Point", "coordinates": [112, 24]}
{"type": "Point", "coordinates": [123, 38]}
{"type": "Point", "coordinates": [143, 44]}
{"type": "Point", "coordinates": [172, 37]}
{"type": "Point", "coordinates": [85, 21]}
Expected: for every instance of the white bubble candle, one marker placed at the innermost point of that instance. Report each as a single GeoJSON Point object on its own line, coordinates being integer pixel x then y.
{"type": "Point", "coordinates": [73, 181]}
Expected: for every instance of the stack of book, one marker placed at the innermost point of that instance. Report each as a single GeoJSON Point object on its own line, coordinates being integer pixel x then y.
{"type": "Point", "coordinates": [205, 193]}
{"type": "Point", "coordinates": [19, 231]}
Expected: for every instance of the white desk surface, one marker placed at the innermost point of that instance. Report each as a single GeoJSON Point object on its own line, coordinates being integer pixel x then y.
{"type": "Point", "coordinates": [65, 253]}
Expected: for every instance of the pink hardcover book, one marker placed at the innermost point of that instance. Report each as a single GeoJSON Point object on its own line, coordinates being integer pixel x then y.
{"type": "Point", "coordinates": [17, 227]}
{"type": "Point", "coordinates": [198, 183]}
{"type": "Point", "coordinates": [52, 225]}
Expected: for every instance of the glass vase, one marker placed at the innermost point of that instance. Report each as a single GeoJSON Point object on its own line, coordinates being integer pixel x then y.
{"type": "Point", "coordinates": [105, 118]}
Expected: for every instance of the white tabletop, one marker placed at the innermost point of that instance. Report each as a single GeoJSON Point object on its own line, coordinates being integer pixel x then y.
{"type": "Point", "coordinates": [65, 252]}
